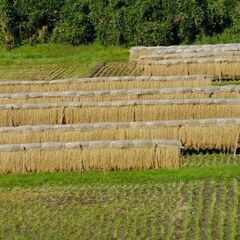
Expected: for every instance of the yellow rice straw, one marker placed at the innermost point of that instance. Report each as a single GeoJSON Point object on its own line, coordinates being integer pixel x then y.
{"type": "Point", "coordinates": [86, 156]}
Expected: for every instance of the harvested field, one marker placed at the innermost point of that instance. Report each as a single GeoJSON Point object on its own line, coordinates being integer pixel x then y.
{"type": "Point", "coordinates": [222, 134]}
{"type": "Point", "coordinates": [119, 111]}
{"type": "Point", "coordinates": [139, 210]}
{"type": "Point", "coordinates": [92, 84]}
{"type": "Point", "coordinates": [220, 68]}
{"type": "Point", "coordinates": [118, 69]}
{"type": "Point", "coordinates": [42, 72]}
{"type": "Point", "coordinates": [86, 156]}
{"type": "Point", "coordinates": [125, 94]}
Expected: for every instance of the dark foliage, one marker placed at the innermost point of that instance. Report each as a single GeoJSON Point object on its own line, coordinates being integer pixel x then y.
{"type": "Point", "coordinates": [115, 22]}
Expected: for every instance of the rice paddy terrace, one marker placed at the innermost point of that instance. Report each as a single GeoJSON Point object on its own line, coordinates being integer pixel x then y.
{"type": "Point", "coordinates": [159, 118]}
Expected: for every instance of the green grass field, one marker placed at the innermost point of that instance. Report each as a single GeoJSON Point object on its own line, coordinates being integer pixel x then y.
{"type": "Point", "coordinates": [56, 61]}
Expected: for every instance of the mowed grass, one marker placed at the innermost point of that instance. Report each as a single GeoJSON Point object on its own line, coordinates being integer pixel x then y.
{"type": "Point", "coordinates": [196, 202]}
{"type": "Point", "coordinates": [56, 61]}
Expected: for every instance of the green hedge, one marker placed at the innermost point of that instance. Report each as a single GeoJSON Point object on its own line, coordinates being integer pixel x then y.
{"type": "Point", "coordinates": [115, 22]}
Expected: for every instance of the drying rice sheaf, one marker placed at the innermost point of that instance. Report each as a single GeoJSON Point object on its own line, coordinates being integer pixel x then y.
{"type": "Point", "coordinates": [215, 51]}
{"type": "Point", "coordinates": [180, 56]}
{"type": "Point", "coordinates": [125, 94]}
{"type": "Point", "coordinates": [221, 134]}
{"type": "Point", "coordinates": [137, 52]}
{"type": "Point", "coordinates": [217, 67]}
{"type": "Point", "coordinates": [187, 56]}
{"type": "Point", "coordinates": [118, 111]}
{"type": "Point", "coordinates": [84, 156]}
{"type": "Point", "coordinates": [92, 84]}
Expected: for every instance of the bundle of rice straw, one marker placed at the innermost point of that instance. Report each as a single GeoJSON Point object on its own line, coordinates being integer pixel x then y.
{"type": "Point", "coordinates": [103, 83]}
{"type": "Point", "coordinates": [220, 134]}
{"type": "Point", "coordinates": [118, 111]}
{"type": "Point", "coordinates": [85, 156]}
{"type": "Point", "coordinates": [124, 94]}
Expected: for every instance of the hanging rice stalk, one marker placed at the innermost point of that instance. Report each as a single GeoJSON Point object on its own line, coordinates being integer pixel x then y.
{"type": "Point", "coordinates": [92, 84]}
{"type": "Point", "coordinates": [196, 134]}
{"type": "Point", "coordinates": [118, 111]}
{"type": "Point", "coordinates": [220, 68]}
{"type": "Point", "coordinates": [125, 94]}
{"type": "Point", "coordinates": [137, 52]}
{"type": "Point", "coordinates": [86, 156]}
{"type": "Point", "coordinates": [143, 60]}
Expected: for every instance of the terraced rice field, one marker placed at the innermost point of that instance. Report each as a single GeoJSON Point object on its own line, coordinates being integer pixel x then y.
{"type": "Point", "coordinates": [96, 125]}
